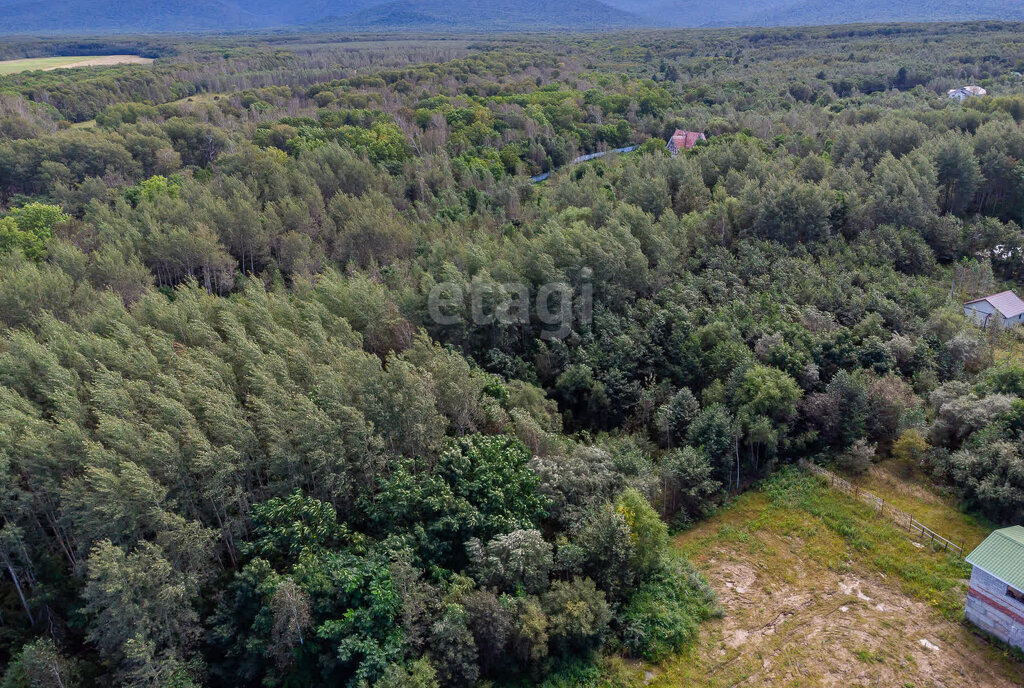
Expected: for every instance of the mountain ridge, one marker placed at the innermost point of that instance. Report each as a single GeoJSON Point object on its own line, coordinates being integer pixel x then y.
{"type": "Point", "coordinates": [683, 13]}
{"type": "Point", "coordinates": [497, 15]}
{"type": "Point", "coordinates": [143, 16]}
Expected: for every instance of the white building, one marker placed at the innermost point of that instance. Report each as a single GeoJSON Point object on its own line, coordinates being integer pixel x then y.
{"type": "Point", "coordinates": [964, 92]}
{"type": "Point", "coordinates": [995, 598]}
{"type": "Point", "coordinates": [1006, 304]}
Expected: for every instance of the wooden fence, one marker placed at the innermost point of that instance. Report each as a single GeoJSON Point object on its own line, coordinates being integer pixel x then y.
{"type": "Point", "coordinates": [900, 518]}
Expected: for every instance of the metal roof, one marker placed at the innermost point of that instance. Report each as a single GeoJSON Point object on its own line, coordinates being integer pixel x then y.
{"type": "Point", "coordinates": [1002, 555]}
{"type": "Point", "coordinates": [969, 90]}
{"type": "Point", "coordinates": [1006, 302]}
{"type": "Point", "coordinates": [685, 139]}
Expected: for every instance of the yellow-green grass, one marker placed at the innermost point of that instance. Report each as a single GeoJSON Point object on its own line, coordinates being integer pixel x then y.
{"type": "Point", "coordinates": [819, 590]}
{"type": "Point", "coordinates": [935, 577]}
{"type": "Point", "coordinates": [48, 63]}
{"type": "Point", "coordinates": [199, 99]}
{"type": "Point", "coordinates": [903, 485]}
{"type": "Point", "coordinates": [15, 66]}
{"type": "Point", "coordinates": [1011, 347]}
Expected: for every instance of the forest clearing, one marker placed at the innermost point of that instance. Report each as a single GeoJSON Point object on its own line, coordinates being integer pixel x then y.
{"type": "Point", "coordinates": [48, 64]}
{"type": "Point", "coordinates": [817, 589]}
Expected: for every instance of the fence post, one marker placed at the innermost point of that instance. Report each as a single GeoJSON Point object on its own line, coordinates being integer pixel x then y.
{"type": "Point", "coordinates": [900, 517]}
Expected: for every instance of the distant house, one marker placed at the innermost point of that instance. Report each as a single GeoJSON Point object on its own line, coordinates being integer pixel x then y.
{"type": "Point", "coordinates": [1005, 303]}
{"type": "Point", "coordinates": [684, 140]}
{"type": "Point", "coordinates": [995, 598]}
{"type": "Point", "coordinates": [964, 92]}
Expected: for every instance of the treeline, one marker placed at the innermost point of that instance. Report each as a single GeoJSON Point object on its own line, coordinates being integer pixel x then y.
{"type": "Point", "coordinates": [20, 47]}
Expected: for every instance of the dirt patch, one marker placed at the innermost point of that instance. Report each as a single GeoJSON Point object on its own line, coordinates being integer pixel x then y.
{"type": "Point", "coordinates": [843, 630]}
{"type": "Point", "coordinates": [104, 61]}
{"type": "Point", "coordinates": [800, 610]}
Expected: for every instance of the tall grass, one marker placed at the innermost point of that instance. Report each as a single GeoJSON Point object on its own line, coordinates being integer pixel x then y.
{"type": "Point", "coordinates": [935, 577]}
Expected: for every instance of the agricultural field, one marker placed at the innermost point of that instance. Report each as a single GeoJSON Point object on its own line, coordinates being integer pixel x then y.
{"type": "Point", "coordinates": [48, 64]}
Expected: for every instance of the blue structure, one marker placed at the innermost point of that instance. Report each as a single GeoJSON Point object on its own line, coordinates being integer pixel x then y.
{"type": "Point", "coordinates": [584, 158]}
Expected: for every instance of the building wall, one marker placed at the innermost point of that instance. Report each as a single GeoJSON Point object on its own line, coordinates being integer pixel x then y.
{"type": "Point", "coordinates": [992, 610]}
{"type": "Point", "coordinates": [978, 312]}
{"type": "Point", "coordinates": [981, 311]}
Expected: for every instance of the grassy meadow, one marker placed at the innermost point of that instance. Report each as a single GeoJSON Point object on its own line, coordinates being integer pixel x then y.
{"type": "Point", "coordinates": [49, 63]}
{"type": "Point", "coordinates": [819, 590]}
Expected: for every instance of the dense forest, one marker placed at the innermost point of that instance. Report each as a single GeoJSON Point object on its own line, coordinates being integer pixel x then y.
{"type": "Point", "coordinates": [304, 382]}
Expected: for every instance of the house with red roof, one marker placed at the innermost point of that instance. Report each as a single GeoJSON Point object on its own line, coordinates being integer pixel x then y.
{"type": "Point", "coordinates": [1005, 305]}
{"type": "Point", "coordinates": [684, 140]}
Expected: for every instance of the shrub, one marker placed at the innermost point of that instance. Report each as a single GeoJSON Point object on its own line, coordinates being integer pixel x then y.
{"type": "Point", "coordinates": [665, 613]}
{"type": "Point", "coordinates": [857, 458]}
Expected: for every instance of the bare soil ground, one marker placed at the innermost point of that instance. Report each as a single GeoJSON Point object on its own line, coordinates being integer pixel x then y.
{"type": "Point", "coordinates": [818, 594]}
{"type": "Point", "coordinates": [105, 60]}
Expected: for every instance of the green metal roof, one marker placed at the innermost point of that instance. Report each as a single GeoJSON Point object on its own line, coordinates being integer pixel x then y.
{"type": "Point", "coordinates": [1002, 555]}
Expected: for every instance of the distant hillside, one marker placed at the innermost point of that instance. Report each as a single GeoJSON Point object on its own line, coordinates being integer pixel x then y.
{"type": "Point", "coordinates": [122, 16]}
{"type": "Point", "coordinates": [116, 16]}
{"type": "Point", "coordinates": [495, 15]}
{"type": "Point", "coordinates": [686, 13]}
{"type": "Point", "coordinates": [140, 16]}
{"type": "Point", "coordinates": [816, 12]}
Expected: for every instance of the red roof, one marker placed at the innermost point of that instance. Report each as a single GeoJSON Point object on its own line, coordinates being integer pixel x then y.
{"type": "Point", "coordinates": [682, 140]}
{"type": "Point", "coordinates": [1007, 303]}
